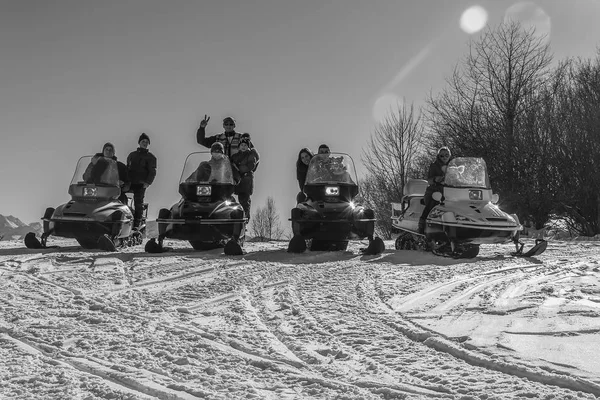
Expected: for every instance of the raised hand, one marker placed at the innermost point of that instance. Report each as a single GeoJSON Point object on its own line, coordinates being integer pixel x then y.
{"type": "Point", "coordinates": [204, 122]}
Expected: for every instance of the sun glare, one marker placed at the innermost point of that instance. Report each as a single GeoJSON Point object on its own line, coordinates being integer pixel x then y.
{"type": "Point", "coordinates": [473, 19]}
{"type": "Point", "coordinates": [384, 105]}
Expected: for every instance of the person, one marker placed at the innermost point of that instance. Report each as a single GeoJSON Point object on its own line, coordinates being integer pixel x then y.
{"type": "Point", "coordinates": [98, 170]}
{"type": "Point", "coordinates": [244, 164]}
{"type": "Point", "coordinates": [324, 149]}
{"type": "Point", "coordinates": [212, 170]}
{"type": "Point", "coordinates": [141, 166]}
{"type": "Point", "coordinates": [304, 157]}
{"type": "Point", "coordinates": [230, 139]}
{"type": "Point", "coordinates": [435, 177]}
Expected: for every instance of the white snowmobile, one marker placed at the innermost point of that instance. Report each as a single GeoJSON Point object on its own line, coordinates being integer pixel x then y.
{"type": "Point", "coordinates": [466, 216]}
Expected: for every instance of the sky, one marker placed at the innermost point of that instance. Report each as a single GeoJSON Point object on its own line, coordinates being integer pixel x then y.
{"type": "Point", "coordinates": [78, 73]}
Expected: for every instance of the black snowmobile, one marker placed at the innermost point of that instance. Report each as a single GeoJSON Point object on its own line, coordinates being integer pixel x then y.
{"type": "Point", "coordinates": [329, 218]}
{"type": "Point", "coordinates": [466, 216]}
{"type": "Point", "coordinates": [94, 216]}
{"type": "Point", "coordinates": [207, 215]}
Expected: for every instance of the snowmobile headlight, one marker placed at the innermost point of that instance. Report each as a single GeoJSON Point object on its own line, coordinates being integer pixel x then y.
{"type": "Point", "coordinates": [203, 190]}
{"type": "Point", "coordinates": [475, 195]}
{"type": "Point", "coordinates": [332, 191]}
{"type": "Point", "coordinates": [90, 192]}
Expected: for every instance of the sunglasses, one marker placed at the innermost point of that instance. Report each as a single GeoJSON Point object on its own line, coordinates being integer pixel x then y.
{"type": "Point", "coordinates": [228, 124]}
{"type": "Point", "coordinates": [217, 151]}
{"type": "Point", "coordinates": [444, 155]}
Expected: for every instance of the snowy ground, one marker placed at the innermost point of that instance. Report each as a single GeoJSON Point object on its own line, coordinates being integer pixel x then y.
{"type": "Point", "coordinates": [80, 324]}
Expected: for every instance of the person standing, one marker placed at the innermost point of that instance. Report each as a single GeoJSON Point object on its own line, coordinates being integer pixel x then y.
{"type": "Point", "coordinates": [304, 157]}
{"type": "Point", "coordinates": [244, 163]}
{"type": "Point", "coordinates": [229, 138]}
{"type": "Point", "coordinates": [435, 177]}
{"type": "Point", "coordinates": [141, 165]}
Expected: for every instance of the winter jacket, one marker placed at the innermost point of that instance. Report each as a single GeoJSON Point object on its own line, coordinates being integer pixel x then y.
{"type": "Point", "coordinates": [121, 168]}
{"type": "Point", "coordinates": [230, 141]}
{"type": "Point", "coordinates": [244, 163]}
{"type": "Point", "coordinates": [437, 170]}
{"type": "Point", "coordinates": [141, 165]}
{"type": "Point", "coordinates": [301, 171]}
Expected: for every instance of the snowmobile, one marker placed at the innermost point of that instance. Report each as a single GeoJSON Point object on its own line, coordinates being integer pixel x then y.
{"type": "Point", "coordinates": [465, 217]}
{"type": "Point", "coordinates": [207, 215]}
{"type": "Point", "coordinates": [94, 216]}
{"type": "Point", "coordinates": [328, 218]}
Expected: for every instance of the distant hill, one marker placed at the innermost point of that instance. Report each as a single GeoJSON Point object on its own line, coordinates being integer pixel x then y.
{"type": "Point", "coordinates": [13, 228]}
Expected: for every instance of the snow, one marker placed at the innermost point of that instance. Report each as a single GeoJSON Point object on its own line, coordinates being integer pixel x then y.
{"type": "Point", "coordinates": [82, 324]}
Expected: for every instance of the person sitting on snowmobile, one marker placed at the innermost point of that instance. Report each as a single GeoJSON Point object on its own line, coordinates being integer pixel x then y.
{"type": "Point", "coordinates": [323, 149]}
{"type": "Point", "coordinates": [435, 177]}
{"type": "Point", "coordinates": [304, 157]}
{"type": "Point", "coordinates": [212, 171]}
{"type": "Point", "coordinates": [96, 172]}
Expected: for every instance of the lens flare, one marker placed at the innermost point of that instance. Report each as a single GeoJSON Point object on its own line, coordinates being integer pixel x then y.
{"type": "Point", "coordinates": [473, 19]}
{"type": "Point", "coordinates": [384, 105]}
{"type": "Point", "coordinates": [530, 16]}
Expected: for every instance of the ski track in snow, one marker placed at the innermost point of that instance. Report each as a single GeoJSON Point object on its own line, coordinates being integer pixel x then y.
{"type": "Point", "coordinates": [81, 324]}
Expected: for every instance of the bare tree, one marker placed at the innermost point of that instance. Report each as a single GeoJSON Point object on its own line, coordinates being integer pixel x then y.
{"type": "Point", "coordinates": [486, 110]}
{"type": "Point", "coordinates": [390, 159]}
{"type": "Point", "coordinates": [265, 223]}
{"type": "Point", "coordinates": [576, 135]}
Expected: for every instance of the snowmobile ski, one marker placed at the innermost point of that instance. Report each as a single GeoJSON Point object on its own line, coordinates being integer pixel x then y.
{"type": "Point", "coordinates": [539, 248]}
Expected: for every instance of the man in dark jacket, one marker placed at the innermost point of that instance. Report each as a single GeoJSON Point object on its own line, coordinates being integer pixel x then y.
{"type": "Point", "coordinates": [230, 139]}
{"type": "Point", "coordinates": [435, 177]}
{"type": "Point", "coordinates": [142, 171]}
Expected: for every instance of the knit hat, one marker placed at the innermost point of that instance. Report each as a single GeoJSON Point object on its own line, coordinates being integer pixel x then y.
{"type": "Point", "coordinates": [227, 119]}
{"type": "Point", "coordinates": [245, 140]}
{"type": "Point", "coordinates": [144, 136]}
{"type": "Point", "coordinates": [217, 147]}
{"type": "Point", "coordinates": [108, 144]}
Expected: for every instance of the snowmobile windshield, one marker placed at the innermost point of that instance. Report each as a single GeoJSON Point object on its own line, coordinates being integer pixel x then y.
{"type": "Point", "coordinates": [201, 167]}
{"type": "Point", "coordinates": [97, 170]}
{"type": "Point", "coordinates": [337, 168]}
{"type": "Point", "coordinates": [466, 172]}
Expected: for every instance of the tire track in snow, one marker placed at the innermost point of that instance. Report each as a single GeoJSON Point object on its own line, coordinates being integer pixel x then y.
{"type": "Point", "coordinates": [138, 386]}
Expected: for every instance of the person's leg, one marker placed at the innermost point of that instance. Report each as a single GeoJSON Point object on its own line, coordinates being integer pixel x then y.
{"type": "Point", "coordinates": [244, 199]}
{"type": "Point", "coordinates": [138, 203]}
{"type": "Point", "coordinates": [428, 206]}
